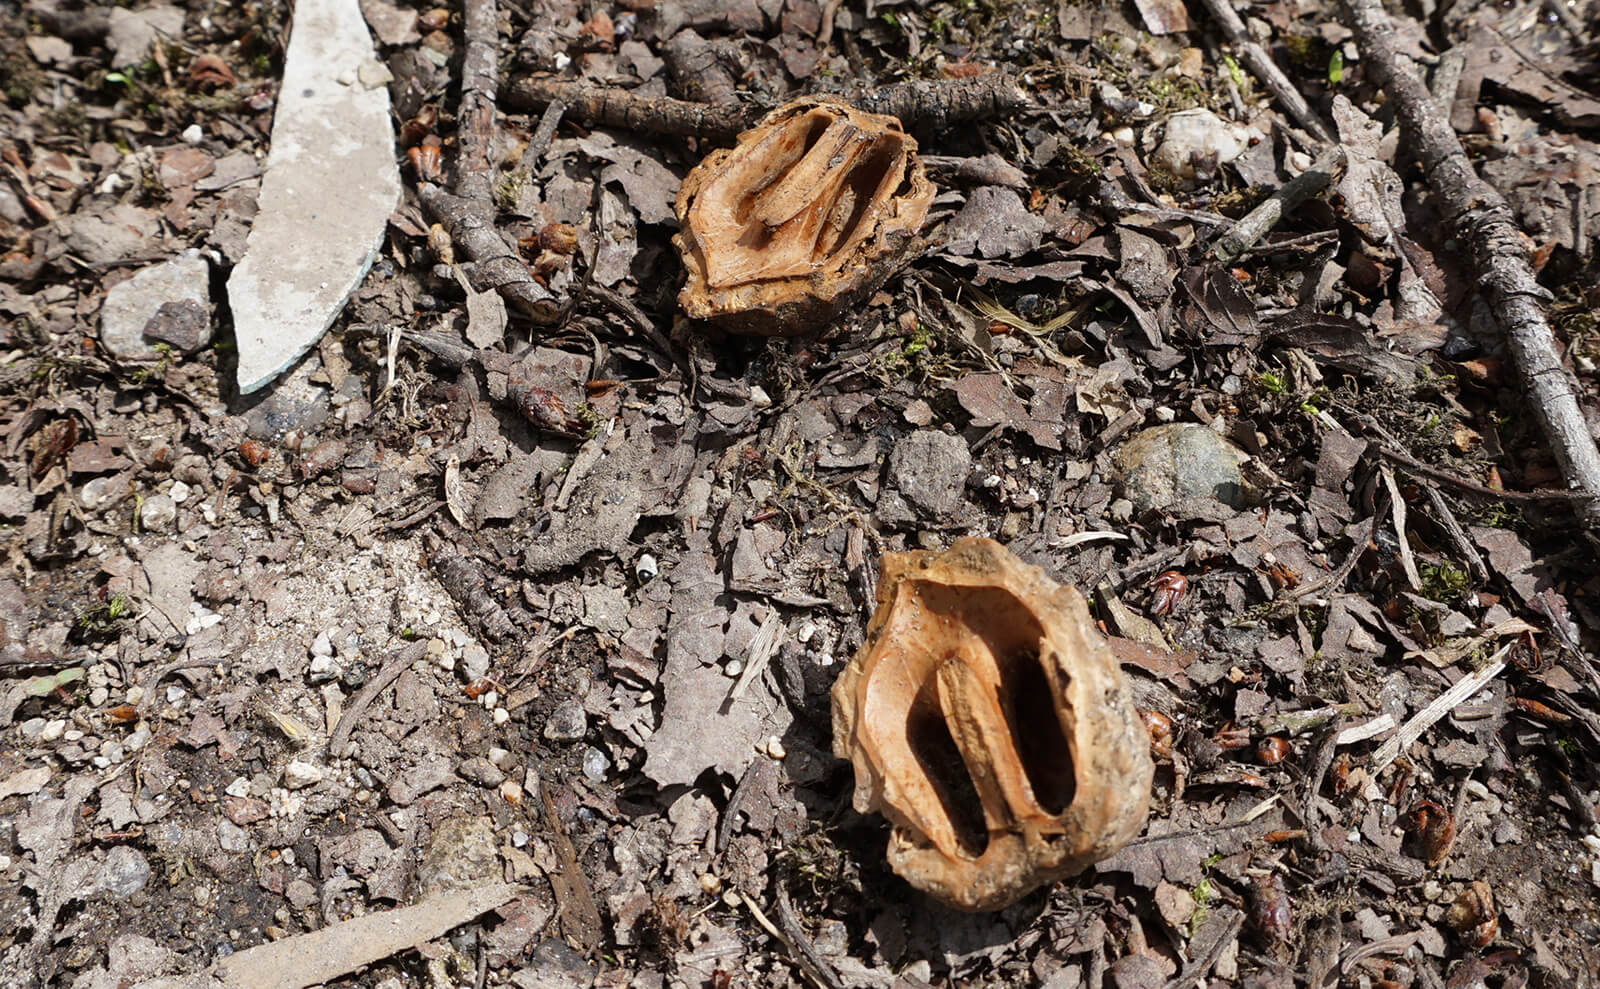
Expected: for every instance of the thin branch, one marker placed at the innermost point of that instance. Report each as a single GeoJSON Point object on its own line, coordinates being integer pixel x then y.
{"type": "Point", "coordinates": [1265, 69]}
{"type": "Point", "coordinates": [1480, 217]}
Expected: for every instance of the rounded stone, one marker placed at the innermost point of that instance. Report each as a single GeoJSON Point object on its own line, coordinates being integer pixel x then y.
{"type": "Point", "coordinates": [1177, 465]}
{"type": "Point", "coordinates": [567, 723]}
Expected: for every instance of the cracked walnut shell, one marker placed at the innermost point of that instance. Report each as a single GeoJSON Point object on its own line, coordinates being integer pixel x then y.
{"type": "Point", "coordinates": [814, 208]}
{"type": "Point", "coordinates": [987, 719]}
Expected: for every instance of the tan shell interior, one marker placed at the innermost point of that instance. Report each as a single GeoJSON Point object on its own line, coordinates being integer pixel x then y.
{"type": "Point", "coordinates": [991, 671]}
{"type": "Point", "coordinates": [988, 720]}
{"type": "Point", "coordinates": [816, 206]}
{"type": "Point", "coordinates": [796, 200]}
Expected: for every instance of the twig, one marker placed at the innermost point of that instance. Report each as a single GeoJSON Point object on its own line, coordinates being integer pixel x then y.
{"type": "Point", "coordinates": [1480, 216]}
{"type": "Point", "coordinates": [1255, 224]}
{"type": "Point", "coordinates": [1367, 729]}
{"type": "Point", "coordinates": [1582, 809]}
{"type": "Point", "coordinates": [471, 228]}
{"type": "Point", "coordinates": [800, 949]}
{"type": "Point", "coordinates": [934, 103]}
{"type": "Point", "coordinates": [1397, 507]}
{"type": "Point", "coordinates": [1457, 535]}
{"type": "Point", "coordinates": [1195, 971]}
{"type": "Point", "coordinates": [539, 143]}
{"type": "Point", "coordinates": [1440, 706]}
{"type": "Point", "coordinates": [623, 110]}
{"type": "Point", "coordinates": [1266, 69]}
{"type": "Point", "coordinates": [1300, 722]}
{"type": "Point", "coordinates": [1473, 487]}
{"type": "Point", "coordinates": [388, 673]}
{"type": "Point", "coordinates": [480, 79]}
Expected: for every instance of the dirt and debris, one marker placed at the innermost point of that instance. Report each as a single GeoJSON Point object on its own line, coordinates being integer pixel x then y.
{"type": "Point", "coordinates": [492, 642]}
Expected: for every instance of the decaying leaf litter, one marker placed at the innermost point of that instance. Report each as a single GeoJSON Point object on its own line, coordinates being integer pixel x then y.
{"type": "Point", "coordinates": [562, 606]}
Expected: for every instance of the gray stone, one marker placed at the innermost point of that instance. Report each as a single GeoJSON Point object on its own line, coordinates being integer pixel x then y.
{"type": "Point", "coordinates": [481, 771]}
{"type": "Point", "coordinates": [330, 184]}
{"type": "Point", "coordinates": [295, 404]}
{"type": "Point", "coordinates": [185, 325]}
{"type": "Point", "coordinates": [595, 764]}
{"type": "Point", "coordinates": [1181, 467]}
{"type": "Point", "coordinates": [929, 470]}
{"type": "Point", "coordinates": [124, 873]}
{"type": "Point", "coordinates": [133, 305]}
{"type": "Point", "coordinates": [232, 837]}
{"type": "Point", "coordinates": [131, 32]}
{"type": "Point", "coordinates": [157, 513]}
{"type": "Point", "coordinates": [567, 723]}
{"type": "Point", "coordinates": [555, 966]}
{"type": "Point", "coordinates": [106, 233]}
{"type": "Point", "coordinates": [461, 854]}
{"type": "Point", "coordinates": [474, 661]}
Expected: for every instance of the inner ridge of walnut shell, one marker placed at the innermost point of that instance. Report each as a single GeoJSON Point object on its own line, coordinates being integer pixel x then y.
{"type": "Point", "coordinates": [813, 210]}
{"type": "Point", "coordinates": [988, 721]}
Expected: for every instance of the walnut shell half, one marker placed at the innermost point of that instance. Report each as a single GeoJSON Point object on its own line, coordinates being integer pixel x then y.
{"type": "Point", "coordinates": [988, 721]}
{"type": "Point", "coordinates": [813, 209]}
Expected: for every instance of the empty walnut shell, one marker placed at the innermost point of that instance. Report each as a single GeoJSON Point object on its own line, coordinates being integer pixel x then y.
{"type": "Point", "coordinates": [988, 721]}
{"type": "Point", "coordinates": [813, 209]}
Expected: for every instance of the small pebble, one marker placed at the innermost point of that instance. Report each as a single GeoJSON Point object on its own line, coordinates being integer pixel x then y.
{"type": "Point", "coordinates": [322, 645]}
{"type": "Point", "coordinates": [474, 661]}
{"type": "Point", "coordinates": [567, 723]}
{"type": "Point", "coordinates": [158, 513]}
{"type": "Point", "coordinates": [595, 765]}
{"type": "Point", "coordinates": [53, 730]}
{"type": "Point", "coordinates": [711, 882]}
{"type": "Point", "coordinates": [300, 774]}
{"type": "Point", "coordinates": [180, 492]}
{"type": "Point", "coordinates": [323, 669]}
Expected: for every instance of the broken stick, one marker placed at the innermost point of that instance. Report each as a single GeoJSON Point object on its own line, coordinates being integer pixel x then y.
{"type": "Point", "coordinates": [1479, 215]}
{"type": "Point", "coordinates": [935, 103]}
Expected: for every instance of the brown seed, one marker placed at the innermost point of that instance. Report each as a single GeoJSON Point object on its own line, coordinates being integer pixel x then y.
{"type": "Point", "coordinates": [255, 454]}
{"type": "Point", "coordinates": [1473, 915]}
{"type": "Point", "coordinates": [434, 20]}
{"type": "Point", "coordinates": [1160, 728]}
{"type": "Point", "coordinates": [1169, 589]}
{"type": "Point", "coordinates": [1539, 712]}
{"type": "Point", "coordinates": [417, 129]}
{"type": "Point", "coordinates": [562, 238]}
{"type": "Point", "coordinates": [424, 159]}
{"type": "Point", "coordinates": [209, 71]}
{"type": "Point", "coordinates": [599, 32]}
{"type": "Point", "coordinates": [1435, 828]}
{"type": "Point", "coordinates": [1272, 750]}
{"type": "Point", "coordinates": [1271, 910]}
